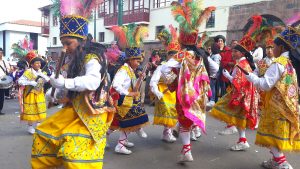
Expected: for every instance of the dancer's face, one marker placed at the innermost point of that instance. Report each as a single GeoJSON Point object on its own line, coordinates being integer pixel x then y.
{"type": "Point", "coordinates": [278, 50]}
{"type": "Point", "coordinates": [134, 63]}
{"type": "Point", "coordinates": [36, 65]}
{"type": "Point", "coordinates": [236, 54]}
{"type": "Point", "coordinates": [269, 51]}
{"type": "Point", "coordinates": [70, 44]}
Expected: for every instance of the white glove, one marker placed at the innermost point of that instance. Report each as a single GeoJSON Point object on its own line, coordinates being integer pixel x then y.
{"type": "Point", "coordinates": [57, 83]}
{"type": "Point", "coordinates": [227, 75]}
{"type": "Point", "coordinates": [32, 83]}
{"type": "Point", "coordinates": [159, 95]}
{"type": "Point", "coordinates": [43, 76]}
{"type": "Point", "coordinates": [252, 77]}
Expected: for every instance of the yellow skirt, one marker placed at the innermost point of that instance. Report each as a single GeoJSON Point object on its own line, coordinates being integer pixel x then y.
{"type": "Point", "coordinates": [63, 140]}
{"type": "Point", "coordinates": [232, 116]}
{"type": "Point", "coordinates": [165, 113]}
{"type": "Point", "coordinates": [34, 107]}
{"type": "Point", "coordinates": [274, 131]}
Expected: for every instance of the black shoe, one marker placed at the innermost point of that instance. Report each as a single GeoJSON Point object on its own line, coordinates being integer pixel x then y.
{"type": "Point", "coordinates": [2, 113]}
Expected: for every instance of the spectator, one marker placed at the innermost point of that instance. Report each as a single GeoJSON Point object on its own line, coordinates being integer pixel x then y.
{"type": "Point", "coordinates": [216, 57]}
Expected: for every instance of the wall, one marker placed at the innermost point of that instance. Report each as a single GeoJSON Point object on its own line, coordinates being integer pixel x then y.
{"type": "Point", "coordinates": [239, 15]}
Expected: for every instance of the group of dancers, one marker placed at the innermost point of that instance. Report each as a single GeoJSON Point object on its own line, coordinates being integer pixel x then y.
{"type": "Point", "coordinates": [98, 101]}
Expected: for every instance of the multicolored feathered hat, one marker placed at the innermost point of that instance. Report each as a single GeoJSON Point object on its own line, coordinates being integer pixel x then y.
{"type": "Point", "coordinates": [130, 39]}
{"type": "Point", "coordinates": [291, 36]}
{"type": "Point", "coordinates": [169, 38]}
{"type": "Point", "coordinates": [247, 43]}
{"type": "Point", "coordinates": [267, 35]}
{"type": "Point", "coordinates": [201, 41]}
{"type": "Point", "coordinates": [32, 56]}
{"type": "Point", "coordinates": [74, 16]}
{"type": "Point", "coordinates": [190, 15]}
{"type": "Point", "coordinates": [21, 48]}
{"type": "Point", "coordinates": [113, 53]}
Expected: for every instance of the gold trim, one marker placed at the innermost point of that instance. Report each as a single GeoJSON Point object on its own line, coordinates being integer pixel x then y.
{"type": "Point", "coordinates": [288, 43]}
{"type": "Point", "coordinates": [73, 35]}
{"type": "Point", "coordinates": [76, 16]}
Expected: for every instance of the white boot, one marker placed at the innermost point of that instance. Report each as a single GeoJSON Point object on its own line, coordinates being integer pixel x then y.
{"type": "Point", "coordinates": [197, 132]}
{"type": "Point", "coordinates": [241, 146]}
{"type": "Point", "coordinates": [193, 136]}
{"type": "Point", "coordinates": [121, 149]}
{"type": "Point", "coordinates": [128, 144]}
{"type": "Point", "coordinates": [168, 136]}
{"type": "Point", "coordinates": [229, 131]}
{"type": "Point", "coordinates": [141, 133]}
{"type": "Point", "coordinates": [186, 154]}
{"type": "Point", "coordinates": [30, 129]}
{"type": "Point", "coordinates": [285, 165]}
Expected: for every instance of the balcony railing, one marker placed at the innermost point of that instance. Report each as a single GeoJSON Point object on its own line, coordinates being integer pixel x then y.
{"type": "Point", "coordinates": [136, 15]}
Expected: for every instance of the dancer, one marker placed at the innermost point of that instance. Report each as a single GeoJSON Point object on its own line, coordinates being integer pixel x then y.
{"type": "Point", "coordinates": [165, 112]}
{"type": "Point", "coordinates": [34, 103]}
{"type": "Point", "coordinates": [239, 106]}
{"type": "Point", "coordinates": [131, 115]}
{"type": "Point", "coordinates": [74, 137]}
{"type": "Point", "coordinates": [279, 124]}
{"type": "Point", "coordinates": [187, 75]}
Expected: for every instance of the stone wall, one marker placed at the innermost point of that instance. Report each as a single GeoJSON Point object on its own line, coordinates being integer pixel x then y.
{"type": "Point", "coordinates": [239, 14]}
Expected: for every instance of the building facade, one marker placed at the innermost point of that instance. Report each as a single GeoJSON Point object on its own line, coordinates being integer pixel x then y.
{"type": "Point", "coordinates": [229, 19]}
{"type": "Point", "coordinates": [13, 32]}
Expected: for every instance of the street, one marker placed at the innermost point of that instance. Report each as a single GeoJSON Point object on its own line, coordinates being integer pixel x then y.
{"type": "Point", "coordinates": [211, 151]}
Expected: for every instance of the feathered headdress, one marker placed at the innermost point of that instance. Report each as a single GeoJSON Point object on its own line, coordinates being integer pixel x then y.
{"type": "Point", "coordinates": [190, 15]}
{"type": "Point", "coordinates": [201, 41]}
{"type": "Point", "coordinates": [247, 43]}
{"type": "Point", "coordinates": [130, 38]}
{"type": "Point", "coordinates": [112, 54]}
{"type": "Point", "coordinates": [21, 48]}
{"type": "Point", "coordinates": [267, 34]}
{"type": "Point", "coordinates": [74, 16]}
{"type": "Point", "coordinates": [169, 38]}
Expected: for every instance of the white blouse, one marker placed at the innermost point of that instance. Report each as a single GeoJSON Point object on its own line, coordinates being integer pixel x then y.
{"type": "Point", "coordinates": [24, 81]}
{"type": "Point", "coordinates": [90, 81]}
{"type": "Point", "coordinates": [122, 81]}
{"type": "Point", "coordinates": [272, 75]}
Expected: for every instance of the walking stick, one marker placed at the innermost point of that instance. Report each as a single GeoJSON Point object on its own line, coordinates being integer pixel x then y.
{"type": "Point", "coordinates": [57, 71]}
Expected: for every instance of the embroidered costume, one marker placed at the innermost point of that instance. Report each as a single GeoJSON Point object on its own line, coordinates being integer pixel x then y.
{"type": "Point", "coordinates": [186, 73]}
{"type": "Point", "coordinates": [74, 137]}
{"type": "Point", "coordinates": [34, 103]}
{"type": "Point", "coordinates": [239, 107]}
{"type": "Point", "coordinates": [131, 115]}
{"type": "Point", "coordinates": [279, 125]}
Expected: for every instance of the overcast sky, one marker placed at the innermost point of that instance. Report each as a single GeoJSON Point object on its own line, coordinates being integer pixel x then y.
{"type": "Point", "coordinates": [11, 10]}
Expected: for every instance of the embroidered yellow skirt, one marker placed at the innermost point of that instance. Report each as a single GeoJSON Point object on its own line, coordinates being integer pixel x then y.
{"type": "Point", "coordinates": [274, 131]}
{"type": "Point", "coordinates": [165, 113]}
{"type": "Point", "coordinates": [34, 107]}
{"type": "Point", "coordinates": [233, 116]}
{"type": "Point", "coordinates": [63, 140]}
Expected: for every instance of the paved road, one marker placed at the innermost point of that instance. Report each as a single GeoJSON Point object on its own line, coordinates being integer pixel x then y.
{"type": "Point", "coordinates": [210, 152]}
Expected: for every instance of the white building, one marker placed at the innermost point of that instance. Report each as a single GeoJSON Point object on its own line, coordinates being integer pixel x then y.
{"type": "Point", "coordinates": [13, 32]}
{"type": "Point", "coordinates": [155, 14]}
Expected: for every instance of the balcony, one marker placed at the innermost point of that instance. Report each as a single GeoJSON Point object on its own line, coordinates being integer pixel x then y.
{"type": "Point", "coordinates": [136, 15]}
{"type": "Point", "coordinates": [45, 31]}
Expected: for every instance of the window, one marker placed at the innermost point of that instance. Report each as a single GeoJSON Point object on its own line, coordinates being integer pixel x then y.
{"type": "Point", "coordinates": [137, 4]}
{"type": "Point", "coordinates": [54, 41]}
{"type": "Point", "coordinates": [103, 9]}
{"type": "Point", "coordinates": [158, 29]}
{"type": "Point", "coordinates": [101, 36]}
{"type": "Point", "coordinates": [161, 3]}
{"type": "Point", "coordinates": [55, 21]}
{"type": "Point", "coordinates": [211, 21]}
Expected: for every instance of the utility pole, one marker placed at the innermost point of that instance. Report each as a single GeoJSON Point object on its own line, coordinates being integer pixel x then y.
{"type": "Point", "coordinates": [95, 16]}
{"type": "Point", "coordinates": [120, 12]}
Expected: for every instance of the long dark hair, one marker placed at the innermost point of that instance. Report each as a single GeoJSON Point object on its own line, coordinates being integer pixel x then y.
{"type": "Point", "coordinates": [199, 53]}
{"type": "Point", "coordinates": [76, 67]}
